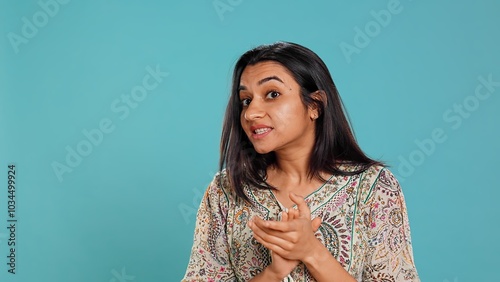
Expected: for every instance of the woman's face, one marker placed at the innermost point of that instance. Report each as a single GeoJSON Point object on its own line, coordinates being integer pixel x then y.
{"type": "Point", "coordinates": [273, 115]}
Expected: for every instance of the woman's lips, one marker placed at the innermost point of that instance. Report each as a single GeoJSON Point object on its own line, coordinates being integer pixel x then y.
{"type": "Point", "coordinates": [259, 132]}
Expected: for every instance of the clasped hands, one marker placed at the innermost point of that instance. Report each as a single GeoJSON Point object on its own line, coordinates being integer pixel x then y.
{"type": "Point", "coordinates": [290, 240]}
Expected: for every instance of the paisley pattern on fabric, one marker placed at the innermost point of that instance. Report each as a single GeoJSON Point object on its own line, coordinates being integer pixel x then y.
{"type": "Point", "coordinates": [364, 226]}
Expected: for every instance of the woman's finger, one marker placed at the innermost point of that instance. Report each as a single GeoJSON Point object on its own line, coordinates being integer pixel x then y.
{"type": "Point", "coordinates": [272, 247]}
{"type": "Point", "coordinates": [268, 238]}
{"type": "Point", "coordinates": [304, 210]}
{"type": "Point", "coordinates": [293, 213]}
{"type": "Point", "coordinates": [272, 226]}
{"type": "Point", "coordinates": [284, 216]}
{"type": "Point", "coordinates": [316, 222]}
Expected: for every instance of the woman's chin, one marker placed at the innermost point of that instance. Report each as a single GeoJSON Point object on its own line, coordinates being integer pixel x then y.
{"type": "Point", "coordinates": [262, 150]}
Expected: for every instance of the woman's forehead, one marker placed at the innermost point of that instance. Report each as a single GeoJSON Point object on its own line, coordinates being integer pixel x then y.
{"type": "Point", "coordinates": [256, 74]}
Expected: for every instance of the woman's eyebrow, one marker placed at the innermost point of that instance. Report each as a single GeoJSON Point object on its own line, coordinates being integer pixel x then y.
{"type": "Point", "coordinates": [262, 81]}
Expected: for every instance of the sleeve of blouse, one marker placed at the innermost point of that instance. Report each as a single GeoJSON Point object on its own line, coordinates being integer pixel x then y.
{"type": "Point", "coordinates": [209, 259]}
{"type": "Point", "coordinates": [390, 254]}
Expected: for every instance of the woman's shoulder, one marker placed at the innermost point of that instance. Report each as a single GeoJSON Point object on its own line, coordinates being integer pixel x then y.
{"type": "Point", "coordinates": [368, 172]}
{"type": "Point", "coordinates": [381, 174]}
{"type": "Point", "coordinates": [378, 180]}
{"type": "Point", "coordinates": [220, 186]}
{"type": "Point", "coordinates": [371, 176]}
{"type": "Point", "coordinates": [361, 170]}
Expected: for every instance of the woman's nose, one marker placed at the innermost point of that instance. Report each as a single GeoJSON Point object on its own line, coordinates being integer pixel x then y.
{"type": "Point", "coordinates": [254, 111]}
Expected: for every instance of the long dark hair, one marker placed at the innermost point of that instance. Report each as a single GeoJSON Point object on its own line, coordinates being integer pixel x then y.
{"type": "Point", "coordinates": [334, 140]}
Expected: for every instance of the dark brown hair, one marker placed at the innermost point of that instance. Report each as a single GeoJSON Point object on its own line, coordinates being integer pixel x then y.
{"type": "Point", "coordinates": [334, 139]}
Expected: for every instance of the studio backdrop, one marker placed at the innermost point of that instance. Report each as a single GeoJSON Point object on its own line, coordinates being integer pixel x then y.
{"type": "Point", "coordinates": [111, 114]}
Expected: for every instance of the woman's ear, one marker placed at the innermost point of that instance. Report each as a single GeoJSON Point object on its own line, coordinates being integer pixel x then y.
{"type": "Point", "coordinates": [320, 100]}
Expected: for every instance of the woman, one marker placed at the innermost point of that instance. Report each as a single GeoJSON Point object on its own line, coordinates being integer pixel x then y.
{"type": "Point", "coordinates": [296, 198]}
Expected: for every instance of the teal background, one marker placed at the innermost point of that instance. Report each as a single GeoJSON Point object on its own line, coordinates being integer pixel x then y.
{"type": "Point", "coordinates": [129, 206]}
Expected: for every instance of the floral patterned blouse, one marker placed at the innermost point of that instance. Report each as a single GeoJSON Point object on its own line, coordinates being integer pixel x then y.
{"type": "Point", "coordinates": [364, 226]}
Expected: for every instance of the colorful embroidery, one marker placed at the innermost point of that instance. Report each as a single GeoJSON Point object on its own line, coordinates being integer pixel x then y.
{"type": "Point", "coordinates": [364, 226]}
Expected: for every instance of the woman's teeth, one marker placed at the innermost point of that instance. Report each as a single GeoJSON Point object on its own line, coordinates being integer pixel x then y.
{"type": "Point", "coordinates": [261, 130]}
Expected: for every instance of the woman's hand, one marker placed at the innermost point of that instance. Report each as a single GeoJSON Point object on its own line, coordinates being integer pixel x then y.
{"type": "Point", "coordinates": [290, 239]}
{"type": "Point", "coordinates": [280, 265]}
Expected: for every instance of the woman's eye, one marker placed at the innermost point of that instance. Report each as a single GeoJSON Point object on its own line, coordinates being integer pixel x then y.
{"type": "Point", "coordinates": [272, 95]}
{"type": "Point", "coordinates": [245, 102]}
